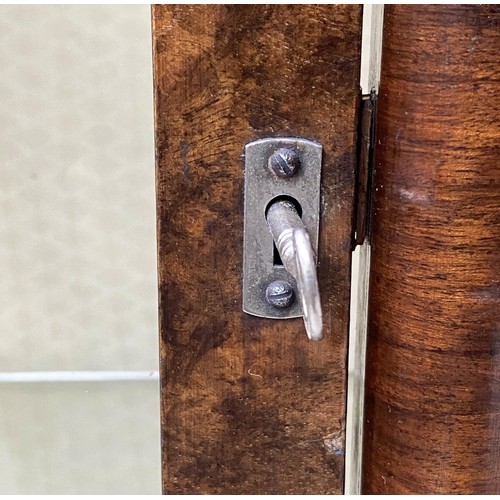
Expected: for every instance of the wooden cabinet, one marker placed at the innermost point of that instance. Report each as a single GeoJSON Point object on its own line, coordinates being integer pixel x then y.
{"type": "Point", "coordinates": [250, 405]}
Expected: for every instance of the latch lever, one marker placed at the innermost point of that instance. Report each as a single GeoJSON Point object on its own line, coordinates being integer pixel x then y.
{"type": "Point", "coordinates": [295, 249]}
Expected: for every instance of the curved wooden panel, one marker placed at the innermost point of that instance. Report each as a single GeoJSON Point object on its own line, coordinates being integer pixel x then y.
{"type": "Point", "coordinates": [432, 422]}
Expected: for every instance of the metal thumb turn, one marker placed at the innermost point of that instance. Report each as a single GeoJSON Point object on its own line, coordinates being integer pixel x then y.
{"type": "Point", "coordinates": [294, 247]}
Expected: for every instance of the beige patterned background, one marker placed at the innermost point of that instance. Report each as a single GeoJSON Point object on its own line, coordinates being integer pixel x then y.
{"type": "Point", "coordinates": [77, 249]}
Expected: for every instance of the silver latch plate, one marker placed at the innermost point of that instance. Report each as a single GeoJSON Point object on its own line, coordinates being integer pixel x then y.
{"type": "Point", "coordinates": [261, 187]}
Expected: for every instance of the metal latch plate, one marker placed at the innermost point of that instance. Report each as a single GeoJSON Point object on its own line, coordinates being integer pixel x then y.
{"type": "Point", "coordinates": [261, 187]}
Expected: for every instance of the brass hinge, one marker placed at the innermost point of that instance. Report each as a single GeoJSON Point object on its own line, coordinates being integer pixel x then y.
{"type": "Point", "coordinates": [365, 164]}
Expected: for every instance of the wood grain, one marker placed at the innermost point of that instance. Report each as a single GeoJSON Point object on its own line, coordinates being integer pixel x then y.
{"type": "Point", "coordinates": [249, 405]}
{"type": "Point", "coordinates": [433, 364]}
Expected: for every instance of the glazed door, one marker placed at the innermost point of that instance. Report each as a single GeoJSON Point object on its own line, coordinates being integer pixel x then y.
{"type": "Point", "coordinates": [249, 404]}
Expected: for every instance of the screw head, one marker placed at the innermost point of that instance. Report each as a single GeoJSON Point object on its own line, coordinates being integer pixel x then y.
{"type": "Point", "coordinates": [284, 162]}
{"type": "Point", "coordinates": [280, 294]}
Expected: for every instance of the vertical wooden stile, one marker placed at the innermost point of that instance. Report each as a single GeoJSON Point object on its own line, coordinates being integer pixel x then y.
{"type": "Point", "coordinates": [249, 405]}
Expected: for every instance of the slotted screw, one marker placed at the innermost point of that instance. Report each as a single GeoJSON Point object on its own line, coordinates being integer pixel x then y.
{"type": "Point", "coordinates": [280, 294]}
{"type": "Point", "coordinates": [284, 162]}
